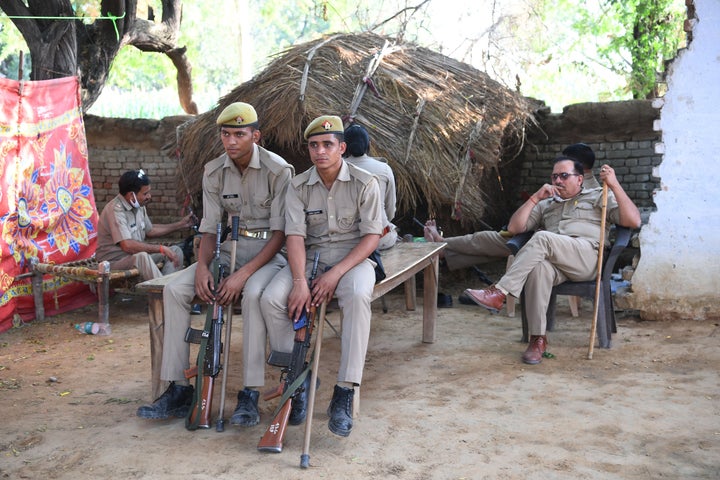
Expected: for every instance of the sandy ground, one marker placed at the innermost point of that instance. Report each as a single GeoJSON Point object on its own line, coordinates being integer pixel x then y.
{"type": "Point", "coordinates": [464, 407]}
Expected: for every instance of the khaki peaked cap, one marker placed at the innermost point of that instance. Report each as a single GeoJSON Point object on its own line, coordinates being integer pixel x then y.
{"type": "Point", "coordinates": [324, 124]}
{"type": "Point", "coordinates": [238, 114]}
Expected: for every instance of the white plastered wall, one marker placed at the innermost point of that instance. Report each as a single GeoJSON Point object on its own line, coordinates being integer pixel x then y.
{"type": "Point", "coordinates": [678, 275]}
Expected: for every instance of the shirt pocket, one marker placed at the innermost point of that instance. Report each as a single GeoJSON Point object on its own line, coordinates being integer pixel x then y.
{"type": "Point", "coordinates": [347, 218]}
{"type": "Point", "coordinates": [231, 203]}
{"type": "Point", "coordinates": [317, 223]}
{"type": "Point", "coordinates": [585, 211]}
{"type": "Point", "coordinates": [261, 205]}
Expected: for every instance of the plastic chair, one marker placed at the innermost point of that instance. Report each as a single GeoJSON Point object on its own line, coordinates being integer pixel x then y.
{"type": "Point", "coordinates": [606, 324]}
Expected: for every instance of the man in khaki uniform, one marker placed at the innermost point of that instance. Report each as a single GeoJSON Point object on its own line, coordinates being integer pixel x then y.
{"type": "Point", "coordinates": [250, 182]}
{"type": "Point", "coordinates": [488, 245]}
{"type": "Point", "coordinates": [567, 217]}
{"type": "Point", "coordinates": [334, 208]}
{"type": "Point", "coordinates": [124, 225]}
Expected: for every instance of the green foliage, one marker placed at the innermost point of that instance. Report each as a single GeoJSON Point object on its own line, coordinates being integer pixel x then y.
{"type": "Point", "coordinates": [561, 51]}
{"type": "Point", "coordinates": [642, 35]}
{"type": "Point", "coordinates": [11, 44]}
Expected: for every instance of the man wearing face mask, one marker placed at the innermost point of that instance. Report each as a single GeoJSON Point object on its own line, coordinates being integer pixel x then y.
{"type": "Point", "coordinates": [124, 225]}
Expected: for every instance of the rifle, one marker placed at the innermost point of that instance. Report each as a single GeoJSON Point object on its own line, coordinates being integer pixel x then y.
{"type": "Point", "coordinates": [208, 361]}
{"type": "Point", "coordinates": [294, 372]}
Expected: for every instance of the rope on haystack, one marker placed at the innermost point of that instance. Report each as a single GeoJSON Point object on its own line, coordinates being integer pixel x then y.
{"type": "Point", "coordinates": [306, 69]}
{"type": "Point", "coordinates": [416, 121]}
{"type": "Point", "coordinates": [366, 80]}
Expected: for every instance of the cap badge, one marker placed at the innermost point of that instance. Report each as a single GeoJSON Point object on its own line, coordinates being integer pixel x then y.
{"type": "Point", "coordinates": [327, 125]}
{"type": "Point", "coordinates": [239, 120]}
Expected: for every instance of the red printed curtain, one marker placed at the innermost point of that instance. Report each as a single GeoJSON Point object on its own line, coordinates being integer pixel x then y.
{"type": "Point", "coordinates": [47, 207]}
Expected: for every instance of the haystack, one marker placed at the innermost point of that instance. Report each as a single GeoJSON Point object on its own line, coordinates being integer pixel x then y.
{"type": "Point", "coordinates": [443, 125]}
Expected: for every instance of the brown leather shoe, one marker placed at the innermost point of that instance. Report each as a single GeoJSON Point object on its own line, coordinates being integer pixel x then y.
{"type": "Point", "coordinates": [490, 298]}
{"type": "Point", "coordinates": [533, 354]}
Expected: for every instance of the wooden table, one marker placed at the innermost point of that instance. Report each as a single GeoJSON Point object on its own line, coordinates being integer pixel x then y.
{"type": "Point", "coordinates": [401, 263]}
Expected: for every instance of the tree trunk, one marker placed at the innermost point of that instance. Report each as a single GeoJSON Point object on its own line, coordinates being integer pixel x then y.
{"type": "Point", "coordinates": [61, 48]}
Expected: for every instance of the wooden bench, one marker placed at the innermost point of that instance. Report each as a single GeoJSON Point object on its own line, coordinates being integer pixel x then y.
{"type": "Point", "coordinates": [97, 274]}
{"type": "Point", "coordinates": [401, 263]}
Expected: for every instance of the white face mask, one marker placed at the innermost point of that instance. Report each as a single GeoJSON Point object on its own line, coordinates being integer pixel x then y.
{"type": "Point", "coordinates": [134, 201]}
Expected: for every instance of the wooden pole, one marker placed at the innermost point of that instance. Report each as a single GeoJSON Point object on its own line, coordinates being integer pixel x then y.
{"type": "Point", "coordinates": [305, 456]}
{"type": "Point", "coordinates": [220, 423]}
{"type": "Point", "coordinates": [598, 281]}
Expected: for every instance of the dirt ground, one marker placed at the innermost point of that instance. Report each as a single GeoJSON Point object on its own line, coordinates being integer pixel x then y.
{"type": "Point", "coordinates": [464, 407]}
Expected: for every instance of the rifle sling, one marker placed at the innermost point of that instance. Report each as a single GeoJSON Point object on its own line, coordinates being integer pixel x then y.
{"type": "Point", "coordinates": [292, 388]}
{"type": "Point", "coordinates": [197, 394]}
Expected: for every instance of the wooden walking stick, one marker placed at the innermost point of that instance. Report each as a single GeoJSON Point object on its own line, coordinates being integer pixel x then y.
{"type": "Point", "coordinates": [598, 281]}
{"type": "Point", "coordinates": [220, 424]}
{"type": "Point", "coordinates": [305, 457]}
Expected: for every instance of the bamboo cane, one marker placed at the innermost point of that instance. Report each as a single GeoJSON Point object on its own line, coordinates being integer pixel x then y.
{"type": "Point", "coordinates": [598, 281]}
{"type": "Point", "coordinates": [220, 424]}
{"type": "Point", "coordinates": [305, 457]}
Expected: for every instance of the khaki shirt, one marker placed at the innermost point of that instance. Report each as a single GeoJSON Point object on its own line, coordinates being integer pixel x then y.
{"type": "Point", "coordinates": [386, 180]}
{"type": "Point", "coordinates": [336, 218]}
{"type": "Point", "coordinates": [257, 196]}
{"type": "Point", "coordinates": [576, 217]}
{"type": "Point", "coordinates": [120, 221]}
{"type": "Point", "coordinates": [590, 182]}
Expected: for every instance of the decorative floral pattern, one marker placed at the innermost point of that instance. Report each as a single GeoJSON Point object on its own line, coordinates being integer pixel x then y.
{"type": "Point", "coordinates": [47, 207]}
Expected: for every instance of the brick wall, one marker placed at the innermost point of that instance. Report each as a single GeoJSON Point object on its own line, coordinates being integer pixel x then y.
{"type": "Point", "coordinates": [620, 133]}
{"type": "Point", "coordinates": [118, 145]}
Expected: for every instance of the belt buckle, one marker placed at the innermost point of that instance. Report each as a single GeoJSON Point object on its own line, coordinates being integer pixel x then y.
{"type": "Point", "coordinates": [261, 235]}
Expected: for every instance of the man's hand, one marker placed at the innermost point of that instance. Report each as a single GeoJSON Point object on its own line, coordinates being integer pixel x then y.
{"type": "Point", "coordinates": [173, 257]}
{"type": "Point", "coordinates": [231, 287]}
{"type": "Point", "coordinates": [546, 191]}
{"type": "Point", "coordinates": [324, 286]}
{"type": "Point", "coordinates": [188, 221]}
{"type": "Point", "coordinates": [607, 175]}
{"type": "Point", "coordinates": [204, 284]}
{"type": "Point", "coordinates": [298, 300]}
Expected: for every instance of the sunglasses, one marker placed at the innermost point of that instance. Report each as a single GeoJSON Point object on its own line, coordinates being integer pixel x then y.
{"type": "Point", "coordinates": [564, 175]}
{"type": "Point", "coordinates": [141, 173]}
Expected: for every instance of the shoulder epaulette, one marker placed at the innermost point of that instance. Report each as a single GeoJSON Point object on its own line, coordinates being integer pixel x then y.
{"type": "Point", "coordinates": [301, 178]}
{"type": "Point", "coordinates": [274, 162]}
{"type": "Point", "coordinates": [363, 175]}
{"type": "Point", "coordinates": [214, 164]}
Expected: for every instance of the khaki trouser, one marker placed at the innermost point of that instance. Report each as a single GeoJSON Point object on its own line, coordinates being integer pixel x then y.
{"type": "Point", "coordinates": [548, 259]}
{"type": "Point", "coordinates": [179, 293]}
{"type": "Point", "coordinates": [146, 263]}
{"type": "Point", "coordinates": [475, 248]}
{"type": "Point", "coordinates": [354, 292]}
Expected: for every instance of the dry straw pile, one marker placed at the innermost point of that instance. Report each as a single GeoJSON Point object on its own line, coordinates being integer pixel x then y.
{"type": "Point", "coordinates": [443, 125]}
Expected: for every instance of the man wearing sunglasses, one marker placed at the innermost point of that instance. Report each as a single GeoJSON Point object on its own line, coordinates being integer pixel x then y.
{"type": "Point", "coordinates": [567, 218]}
{"type": "Point", "coordinates": [488, 245]}
{"type": "Point", "coordinates": [124, 225]}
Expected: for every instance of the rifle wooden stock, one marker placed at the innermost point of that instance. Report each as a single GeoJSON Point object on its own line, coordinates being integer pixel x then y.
{"type": "Point", "coordinates": [191, 372]}
{"type": "Point", "coordinates": [273, 393]}
{"type": "Point", "coordinates": [200, 414]}
{"type": "Point", "coordinates": [272, 440]}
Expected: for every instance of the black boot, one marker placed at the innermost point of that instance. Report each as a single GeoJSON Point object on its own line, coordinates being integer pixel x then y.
{"type": "Point", "coordinates": [340, 411]}
{"type": "Point", "coordinates": [175, 401]}
{"type": "Point", "coordinates": [246, 413]}
{"type": "Point", "coordinates": [299, 401]}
